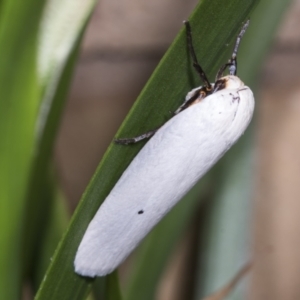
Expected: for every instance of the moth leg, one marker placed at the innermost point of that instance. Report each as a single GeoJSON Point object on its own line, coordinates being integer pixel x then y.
{"type": "Point", "coordinates": [232, 63]}
{"type": "Point", "coordinates": [196, 65]}
{"type": "Point", "coordinates": [133, 140]}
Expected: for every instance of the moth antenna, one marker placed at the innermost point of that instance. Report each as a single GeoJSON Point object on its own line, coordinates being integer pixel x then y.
{"type": "Point", "coordinates": [239, 38]}
{"type": "Point", "coordinates": [233, 61]}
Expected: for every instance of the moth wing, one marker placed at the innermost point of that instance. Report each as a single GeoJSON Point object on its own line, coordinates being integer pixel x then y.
{"type": "Point", "coordinates": [172, 161]}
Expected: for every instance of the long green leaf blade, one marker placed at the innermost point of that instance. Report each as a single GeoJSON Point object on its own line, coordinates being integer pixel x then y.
{"type": "Point", "coordinates": [60, 32]}
{"type": "Point", "coordinates": [20, 92]}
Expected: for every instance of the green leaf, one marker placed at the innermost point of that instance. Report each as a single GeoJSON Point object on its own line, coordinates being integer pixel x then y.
{"type": "Point", "coordinates": [214, 24]}
{"type": "Point", "coordinates": [113, 291]}
{"type": "Point", "coordinates": [61, 29]}
{"type": "Point", "coordinates": [41, 184]}
{"type": "Point", "coordinates": [20, 94]}
{"type": "Point", "coordinates": [58, 221]}
{"type": "Point", "coordinates": [36, 44]}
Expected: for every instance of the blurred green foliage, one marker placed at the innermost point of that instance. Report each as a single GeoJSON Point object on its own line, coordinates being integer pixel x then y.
{"type": "Point", "coordinates": [39, 46]}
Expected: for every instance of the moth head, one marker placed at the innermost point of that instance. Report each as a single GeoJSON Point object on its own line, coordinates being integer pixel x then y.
{"type": "Point", "coordinates": [228, 82]}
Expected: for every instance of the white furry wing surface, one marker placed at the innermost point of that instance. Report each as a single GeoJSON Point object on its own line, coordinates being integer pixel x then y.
{"type": "Point", "coordinates": [168, 166]}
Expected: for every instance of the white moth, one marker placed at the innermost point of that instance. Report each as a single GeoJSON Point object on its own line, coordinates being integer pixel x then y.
{"type": "Point", "coordinates": [204, 127]}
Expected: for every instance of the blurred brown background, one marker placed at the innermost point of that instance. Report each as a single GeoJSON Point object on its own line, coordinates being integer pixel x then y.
{"type": "Point", "coordinates": [123, 44]}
